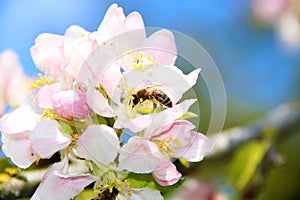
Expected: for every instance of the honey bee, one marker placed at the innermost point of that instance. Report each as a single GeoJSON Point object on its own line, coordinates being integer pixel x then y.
{"type": "Point", "coordinates": [151, 94]}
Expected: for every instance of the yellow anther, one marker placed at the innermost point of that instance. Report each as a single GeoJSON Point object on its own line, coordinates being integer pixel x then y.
{"type": "Point", "coordinates": [37, 160]}
{"type": "Point", "coordinates": [81, 35]}
{"type": "Point", "coordinates": [104, 43]}
{"type": "Point", "coordinates": [156, 62]}
{"type": "Point", "coordinates": [11, 170]}
{"type": "Point", "coordinates": [4, 179]}
{"type": "Point", "coordinates": [98, 186]}
{"type": "Point", "coordinates": [139, 65]}
{"type": "Point", "coordinates": [116, 181]}
{"type": "Point", "coordinates": [110, 190]}
{"type": "Point", "coordinates": [106, 186]}
{"type": "Point", "coordinates": [177, 142]}
{"type": "Point", "coordinates": [111, 44]}
{"type": "Point", "coordinates": [75, 137]}
{"type": "Point", "coordinates": [141, 54]}
{"type": "Point", "coordinates": [126, 182]}
{"type": "Point", "coordinates": [169, 138]}
{"type": "Point", "coordinates": [150, 58]}
{"type": "Point", "coordinates": [130, 53]}
{"type": "Point", "coordinates": [136, 58]}
{"type": "Point", "coordinates": [89, 34]}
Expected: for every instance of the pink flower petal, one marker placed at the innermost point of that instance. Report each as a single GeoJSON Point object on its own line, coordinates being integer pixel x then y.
{"type": "Point", "coordinates": [75, 31]}
{"type": "Point", "coordinates": [55, 185]}
{"type": "Point", "coordinates": [98, 103]}
{"type": "Point", "coordinates": [70, 104]}
{"type": "Point", "coordinates": [200, 146]}
{"type": "Point", "coordinates": [18, 148]}
{"type": "Point", "coordinates": [13, 82]}
{"type": "Point", "coordinates": [47, 134]}
{"type": "Point", "coordinates": [162, 47]}
{"type": "Point", "coordinates": [166, 173]}
{"type": "Point", "coordinates": [44, 95]}
{"type": "Point", "coordinates": [110, 79]}
{"type": "Point", "coordinates": [115, 22]}
{"type": "Point", "coordinates": [98, 143]}
{"type": "Point", "coordinates": [134, 21]}
{"type": "Point", "coordinates": [141, 194]}
{"type": "Point", "coordinates": [21, 119]}
{"type": "Point", "coordinates": [139, 156]}
{"type": "Point", "coordinates": [47, 53]}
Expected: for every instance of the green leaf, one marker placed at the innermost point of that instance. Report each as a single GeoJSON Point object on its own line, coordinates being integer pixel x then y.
{"type": "Point", "coordinates": [97, 171]}
{"type": "Point", "coordinates": [146, 180]}
{"type": "Point", "coordinates": [86, 194]}
{"type": "Point", "coordinates": [65, 127]}
{"type": "Point", "coordinates": [245, 162]}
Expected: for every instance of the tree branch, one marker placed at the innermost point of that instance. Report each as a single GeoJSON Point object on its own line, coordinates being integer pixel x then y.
{"type": "Point", "coordinates": [278, 125]}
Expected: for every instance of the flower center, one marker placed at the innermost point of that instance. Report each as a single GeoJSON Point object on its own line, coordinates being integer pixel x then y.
{"type": "Point", "coordinates": [111, 184]}
{"type": "Point", "coordinates": [165, 145]}
{"type": "Point", "coordinates": [140, 60]}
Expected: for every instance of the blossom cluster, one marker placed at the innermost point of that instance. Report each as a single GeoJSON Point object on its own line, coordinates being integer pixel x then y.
{"type": "Point", "coordinates": [13, 81]}
{"type": "Point", "coordinates": [283, 15]}
{"type": "Point", "coordinates": [111, 99]}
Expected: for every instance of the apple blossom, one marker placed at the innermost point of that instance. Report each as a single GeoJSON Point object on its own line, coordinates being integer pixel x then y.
{"type": "Point", "coordinates": [13, 82]}
{"type": "Point", "coordinates": [108, 180]}
{"type": "Point", "coordinates": [112, 99]}
{"type": "Point", "coordinates": [25, 135]}
{"type": "Point", "coordinates": [131, 116]}
{"type": "Point", "coordinates": [70, 103]}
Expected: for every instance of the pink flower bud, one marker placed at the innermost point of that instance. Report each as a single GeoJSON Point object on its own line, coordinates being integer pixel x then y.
{"type": "Point", "coordinates": [70, 104]}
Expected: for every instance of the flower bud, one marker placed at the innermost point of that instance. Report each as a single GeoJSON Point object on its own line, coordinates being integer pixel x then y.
{"type": "Point", "coordinates": [70, 104]}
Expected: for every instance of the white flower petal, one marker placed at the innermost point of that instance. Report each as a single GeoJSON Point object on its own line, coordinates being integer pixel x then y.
{"type": "Point", "coordinates": [168, 79]}
{"type": "Point", "coordinates": [55, 185]}
{"type": "Point", "coordinates": [166, 173]}
{"type": "Point", "coordinates": [98, 143]}
{"type": "Point", "coordinates": [199, 147]}
{"type": "Point", "coordinates": [139, 156]}
{"type": "Point", "coordinates": [98, 103]}
{"type": "Point", "coordinates": [18, 148]}
{"type": "Point", "coordinates": [46, 138]}
{"type": "Point", "coordinates": [21, 119]}
{"type": "Point", "coordinates": [162, 47]}
{"type": "Point", "coordinates": [141, 194]}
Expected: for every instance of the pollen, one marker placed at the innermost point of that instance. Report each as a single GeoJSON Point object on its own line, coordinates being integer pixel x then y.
{"type": "Point", "coordinates": [37, 160]}
{"type": "Point", "coordinates": [4, 179]}
{"type": "Point", "coordinates": [141, 54]}
{"type": "Point", "coordinates": [150, 58]}
{"type": "Point", "coordinates": [165, 147]}
{"type": "Point", "coordinates": [41, 81]}
{"type": "Point", "coordinates": [75, 137]}
{"type": "Point", "coordinates": [156, 62]}
{"type": "Point", "coordinates": [177, 142]}
{"type": "Point", "coordinates": [11, 170]}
